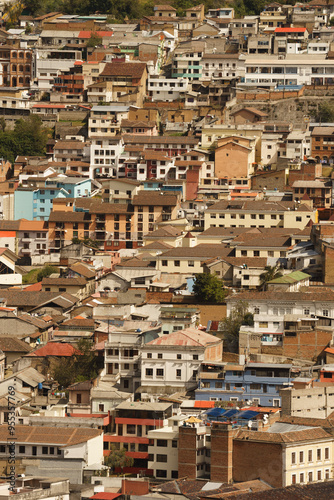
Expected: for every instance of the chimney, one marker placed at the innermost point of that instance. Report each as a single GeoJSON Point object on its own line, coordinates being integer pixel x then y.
{"type": "Point", "coordinates": [222, 452]}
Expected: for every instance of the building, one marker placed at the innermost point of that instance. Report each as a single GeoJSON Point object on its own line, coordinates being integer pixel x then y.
{"type": "Point", "coordinates": [71, 453]}
{"type": "Point", "coordinates": [259, 213]}
{"type": "Point", "coordinates": [172, 363]}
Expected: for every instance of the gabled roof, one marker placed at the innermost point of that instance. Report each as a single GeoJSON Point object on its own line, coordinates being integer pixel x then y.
{"type": "Point", "coordinates": [126, 69]}
{"type": "Point", "coordinates": [35, 434]}
{"type": "Point", "coordinates": [55, 349]}
{"type": "Point", "coordinates": [12, 344]}
{"type": "Point", "coordinates": [23, 298]}
{"type": "Point", "coordinates": [187, 338]}
{"type": "Point", "coordinates": [294, 277]}
{"type": "Point", "coordinates": [83, 270]}
{"type": "Point", "coordinates": [64, 281]}
{"type": "Point", "coordinates": [144, 198]}
{"type": "Point", "coordinates": [165, 232]}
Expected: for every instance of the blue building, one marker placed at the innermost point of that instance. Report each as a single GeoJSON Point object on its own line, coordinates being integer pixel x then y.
{"type": "Point", "coordinates": [36, 203]}
{"type": "Point", "coordinates": [257, 383]}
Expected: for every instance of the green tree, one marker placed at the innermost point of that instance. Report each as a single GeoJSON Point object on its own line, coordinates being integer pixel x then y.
{"type": "Point", "coordinates": [46, 272]}
{"type": "Point", "coordinates": [231, 325]}
{"type": "Point", "coordinates": [31, 136]}
{"type": "Point", "coordinates": [325, 113]}
{"type": "Point", "coordinates": [208, 288]}
{"type": "Point", "coordinates": [79, 367]}
{"type": "Point", "coordinates": [270, 273]}
{"type": "Point", "coordinates": [118, 459]}
{"type": "Point", "coordinates": [94, 40]}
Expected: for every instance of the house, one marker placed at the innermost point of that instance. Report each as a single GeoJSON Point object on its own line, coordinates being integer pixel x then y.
{"type": "Point", "coordinates": [32, 239]}
{"type": "Point", "coordinates": [74, 286]}
{"type": "Point", "coordinates": [13, 348]}
{"type": "Point", "coordinates": [235, 154]}
{"type": "Point", "coordinates": [47, 357]}
{"type": "Point", "coordinates": [128, 81]}
{"type": "Point", "coordinates": [172, 363]}
{"type": "Point", "coordinates": [42, 302]}
{"type": "Point", "coordinates": [70, 453]}
{"type": "Point", "coordinates": [248, 115]}
{"type": "Point", "coordinates": [167, 89]}
{"type": "Point", "coordinates": [79, 397]}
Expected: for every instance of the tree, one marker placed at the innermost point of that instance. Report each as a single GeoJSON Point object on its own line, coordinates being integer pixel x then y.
{"type": "Point", "coordinates": [325, 113]}
{"type": "Point", "coordinates": [79, 367]}
{"type": "Point", "coordinates": [94, 40]}
{"type": "Point", "coordinates": [208, 288]}
{"type": "Point", "coordinates": [118, 459]}
{"type": "Point", "coordinates": [46, 272]}
{"type": "Point", "coordinates": [231, 326]}
{"type": "Point", "coordinates": [270, 273]}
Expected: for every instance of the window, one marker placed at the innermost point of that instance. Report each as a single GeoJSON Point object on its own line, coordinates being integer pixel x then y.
{"type": "Point", "coordinates": [149, 355]}
{"type": "Point", "coordinates": [164, 263]}
{"type": "Point", "coordinates": [22, 449]}
{"type": "Point", "coordinates": [161, 458]}
{"type": "Point", "coordinates": [306, 312]}
{"type": "Point", "coordinates": [319, 454]}
{"type": "Point", "coordinates": [178, 373]}
{"type": "Point", "coordinates": [195, 357]}
{"type": "Point", "coordinates": [293, 457]}
{"type": "Point", "coordinates": [174, 443]}
{"type": "Point", "coordinates": [149, 372]}
{"type": "Point", "coordinates": [159, 355]}
{"type": "Point", "coordinates": [326, 453]}
{"type": "Point", "coordinates": [327, 476]}
{"type": "Point", "coordinates": [218, 385]}
{"type": "Point", "coordinates": [301, 457]}
{"type": "Point", "coordinates": [162, 443]}
{"type": "Point", "coordinates": [325, 312]}
{"type": "Point", "coordinates": [44, 450]}
{"type": "Point", "coordinates": [2, 448]}
{"type": "Point", "coordinates": [263, 324]}
{"type": "Point", "coordinates": [161, 473]}
{"type": "Point", "coordinates": [301, 477]}
{"type": "Point", "coordinates": [310, 456]}
{"type": "Point", "coordinates": [191, 263]}
{"type": "Point", "coordinates": [179, 356]}
{"type": "Point", "coordinates": [52, 450]}
{"type": "Point", "coordinates": [319, 475]}
{"type": "Point", "coordinates": [160, 372]}
{"type": "Point", "coordinates": [130, 429]}
{"type": "Point", "coordinates": [293, 479]}
{"type": "Point", "coordinates": [310, 477]}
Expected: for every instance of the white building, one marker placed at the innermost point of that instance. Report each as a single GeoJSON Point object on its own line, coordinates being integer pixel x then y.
{"type": "Point", "coordinates": [106, 120]}
{"type": "Point", "coordinates": [171, 363]}
{"type": "Point", "coordinates": [167, 89]}
{"type": "Point", "coordinates": [301, 69]}
{"type": "Point", "coordinates": [104, 155]}
{"type": "Point", "coordinates": [222, 66]}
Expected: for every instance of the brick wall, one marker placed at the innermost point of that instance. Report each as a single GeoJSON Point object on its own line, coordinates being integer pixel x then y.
{"type": "Point", "coordinates": [187, 452]}
{"type": "Point", "coordinates": [222, 453]}
{"type": "Point", "coordinates": [268, 96]}
{"type": "Point", "coordinates": [253, 460]}
{"type": "Point", "coordinates": [306, 345]}
{"type": "Point", "coordinates": [328, 268]}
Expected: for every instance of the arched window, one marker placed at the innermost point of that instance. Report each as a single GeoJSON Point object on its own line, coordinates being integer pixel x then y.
{"type": "Point", "coordinates": [14, 55]}
{"type": "Point", "coordinates": [21, 67]}
{"type": "Point", "coordinates": [21, 55]}
{"type": "Point", "coordinates": [28, 68]}
{"type": "Point", "coordinates": [21, 80]}
{"type": "Point", "coordinates": [14, 68]}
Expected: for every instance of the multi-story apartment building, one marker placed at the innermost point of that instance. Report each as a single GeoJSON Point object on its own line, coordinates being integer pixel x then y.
{"type": "Point", "coordinates": [221, 66]}
{"type": "Point", "coordinates": [151, 209]}
{"type": "Point", "coordinates": [105, 152]}
{"type": "Point", "coordinates": [256, 383]}
{"type": "Point", "coordinates": [172, 363]}
{"type": "Point", "coordinates": [259, 214]}
{"type": "Point", "coordinates": [105, 121]}
{"type": "Point", "coordinates": [133, 421]}
{"type": "Point", "coordinates": [293, 69]}
{"type": "Point", "coordinates": [167, 89]}
{"type": "Point", "coordinates": [187, 60]}
{"type": "Point", "coordinates": [128, 81]}
{"type": "Point", "coordinates": [32, 238]}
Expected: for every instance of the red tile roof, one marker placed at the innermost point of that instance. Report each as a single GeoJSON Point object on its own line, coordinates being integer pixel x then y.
{"type": "Point", "coordinates": [55, 349]}
{"type": "Point", "coordinates": [186, 337]}
{"type": "Point", "coordinates": [290, 30]}
{"type": "Point", "coordinates": [104, 495]}
{"type": "Point", "coordinates": [36, 287]}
